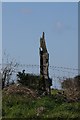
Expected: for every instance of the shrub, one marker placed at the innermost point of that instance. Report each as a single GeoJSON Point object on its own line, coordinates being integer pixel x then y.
{"type": "Point", "coordinates": [71, 88]}
{"type": "Point", "coordinates": [29, 80]}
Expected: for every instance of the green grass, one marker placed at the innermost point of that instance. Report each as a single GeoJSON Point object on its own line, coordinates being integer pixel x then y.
{"type": "Point", "coordinates": [23, 106]}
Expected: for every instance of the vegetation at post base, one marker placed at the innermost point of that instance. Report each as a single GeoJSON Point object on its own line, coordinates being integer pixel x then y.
{"type": "Point", "coordinates": [33, 81]}
{"type": "Point", "coordinates": [22, 101]}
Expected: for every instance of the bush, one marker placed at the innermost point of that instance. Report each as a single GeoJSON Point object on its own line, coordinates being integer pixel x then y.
{"type": "Point", "coordinates": [29, 80]}
{"type": "Point", "coordinates": [71, 88]}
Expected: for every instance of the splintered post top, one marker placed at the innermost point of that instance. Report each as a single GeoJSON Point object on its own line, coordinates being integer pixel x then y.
{"type": "Point", "coordinates": [43, 43]}
{"type": "Point", "coordinates": [43, 35]}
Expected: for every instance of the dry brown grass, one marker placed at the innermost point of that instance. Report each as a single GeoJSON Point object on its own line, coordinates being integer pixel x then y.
{"type": "Point", "coordinates": [19, 89]}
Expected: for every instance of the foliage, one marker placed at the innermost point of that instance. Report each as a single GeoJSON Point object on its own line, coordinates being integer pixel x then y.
{"type": "Point", "coordinates": [29, 80]}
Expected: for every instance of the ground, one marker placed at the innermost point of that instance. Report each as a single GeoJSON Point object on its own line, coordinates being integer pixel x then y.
{"type": "Point", "coordinates": [21, 102]}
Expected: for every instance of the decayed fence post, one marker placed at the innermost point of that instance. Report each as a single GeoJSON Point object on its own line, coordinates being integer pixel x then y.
{"type": "Point", "coordinates": [44, 65]}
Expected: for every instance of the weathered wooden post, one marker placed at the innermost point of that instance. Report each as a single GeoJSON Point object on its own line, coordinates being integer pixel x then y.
{"type": "Point", "coordinates": [44, 66]}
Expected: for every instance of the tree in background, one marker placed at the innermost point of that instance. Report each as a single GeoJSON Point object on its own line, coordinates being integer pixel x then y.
{"type": "Point", "coordinates": [8, 67]}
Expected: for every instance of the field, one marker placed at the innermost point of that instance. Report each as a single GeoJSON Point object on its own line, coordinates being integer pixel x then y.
{"type": "Point", "coordinates": [23, 103]}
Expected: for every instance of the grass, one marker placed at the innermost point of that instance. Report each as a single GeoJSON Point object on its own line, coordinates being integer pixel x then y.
{"type": "Point", "coordinates": [23, 106]}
